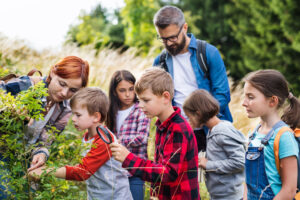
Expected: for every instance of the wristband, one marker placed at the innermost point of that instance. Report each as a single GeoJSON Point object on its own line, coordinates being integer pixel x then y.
{"type": "Point", "coordinates": [40, 151]}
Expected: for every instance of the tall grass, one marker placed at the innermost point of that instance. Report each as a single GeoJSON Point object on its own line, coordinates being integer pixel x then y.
{"type": "Point", "coordinates": [15, 55]}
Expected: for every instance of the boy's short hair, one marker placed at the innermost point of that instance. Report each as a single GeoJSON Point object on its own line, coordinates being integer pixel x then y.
{"type": "Point", "coordinates": [202, 104]}
{"type": "Point", "coordinates": [94, 99]}
{"type": "Point", "coordinates": [156, 79]}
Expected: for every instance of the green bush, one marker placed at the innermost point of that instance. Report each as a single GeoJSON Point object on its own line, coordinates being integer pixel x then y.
{"type": "Point", "coordinates": [15, 114]}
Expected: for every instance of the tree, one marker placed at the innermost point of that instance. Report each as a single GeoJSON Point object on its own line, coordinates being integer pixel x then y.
{"type": "Point", "coordinates": [269, 37]}
{"type": "Point", "coordinates": [95, 28]}
{"type": "Point", "coordinates": [137, 18]}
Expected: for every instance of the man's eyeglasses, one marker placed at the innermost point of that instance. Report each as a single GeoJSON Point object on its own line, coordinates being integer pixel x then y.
{"type": "Point", "coordinates": [173, 38]}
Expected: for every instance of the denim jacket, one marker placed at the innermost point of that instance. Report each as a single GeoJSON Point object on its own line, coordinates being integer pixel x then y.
{"type": "Point", "coordinates": [216, 84]}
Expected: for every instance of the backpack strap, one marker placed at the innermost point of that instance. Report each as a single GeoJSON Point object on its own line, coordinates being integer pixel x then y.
{"type": "Point", "coordinates": [34, 70]}
{"type": "Point", "coordinates": [297, 132]}
{"type": "Point", "coordinates": [163, 60]}
{"type": "Point", "coordinates": [276, 145]}
{"type": "Point", "coordinates": [201, 57]}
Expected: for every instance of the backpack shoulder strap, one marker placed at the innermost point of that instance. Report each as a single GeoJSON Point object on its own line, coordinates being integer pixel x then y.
{"type": "Point", "coordinates": [276, 145]}
{"type": "Point", "coordinates": [201, 57]}
{"type": "Point", "coordinates": [297, 132]}
{"type": "Point", "coordinates": [162, 60]}
{"type": "Point", "coordinates": [34, 70]}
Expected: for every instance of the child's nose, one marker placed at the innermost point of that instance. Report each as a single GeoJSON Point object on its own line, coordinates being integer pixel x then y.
{"type": "Point", "coordinates": [140, 105]}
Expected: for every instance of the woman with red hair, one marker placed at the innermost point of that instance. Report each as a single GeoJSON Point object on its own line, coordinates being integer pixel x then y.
{"type": "Point", "coordinates": [65, 78]}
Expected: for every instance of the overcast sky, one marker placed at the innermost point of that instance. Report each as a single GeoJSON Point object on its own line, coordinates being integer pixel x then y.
{"type": "Point", "coordinates": [44, 23]}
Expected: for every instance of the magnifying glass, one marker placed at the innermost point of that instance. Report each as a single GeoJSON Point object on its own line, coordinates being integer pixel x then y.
{"type": "Point", "coordinates": [104, 134]}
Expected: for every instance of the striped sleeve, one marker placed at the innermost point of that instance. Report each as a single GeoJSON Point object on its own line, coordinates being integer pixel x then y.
{"type": "Point", "coordinates": [94, 159]}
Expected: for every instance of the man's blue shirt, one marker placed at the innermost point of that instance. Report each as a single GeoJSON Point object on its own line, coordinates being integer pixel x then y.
{"type": "Point", "coordinates": [216, 84]}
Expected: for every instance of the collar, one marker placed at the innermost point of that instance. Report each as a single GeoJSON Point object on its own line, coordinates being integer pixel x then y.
{"type": "Point", "coordinates": [94, 138]}
{"type": "Point", "coordinates": [193, 42]}
{"type": "Point", "coordinates": [162, 126]}
{"type": "Point", "coordinates": [136, 105]}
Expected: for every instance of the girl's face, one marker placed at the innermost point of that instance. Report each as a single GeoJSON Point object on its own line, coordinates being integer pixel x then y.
{"type": "Point", "coordinates": [60, 89]}
{"type": "Point", "coordinates": [255, 102]}
{"type": "Point", "coordinates": [125, 93]}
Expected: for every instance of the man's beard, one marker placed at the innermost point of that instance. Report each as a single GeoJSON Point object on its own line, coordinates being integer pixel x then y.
{"type": "Point", "coordinates": [175, 49]}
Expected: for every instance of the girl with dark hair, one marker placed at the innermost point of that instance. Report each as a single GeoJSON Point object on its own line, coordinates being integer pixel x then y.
{"type": "Point", "coordinates": [266, 91]}
{"type": "Point", "coordinates": [128, 122]}
{"type": "Point", "coordinates": [225, 149]}
{"type": "Point", "coordinates": [65, 78]}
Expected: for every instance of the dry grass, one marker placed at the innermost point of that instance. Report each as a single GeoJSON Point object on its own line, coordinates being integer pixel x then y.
{"type": "Point", "coordinates": [16, 55]}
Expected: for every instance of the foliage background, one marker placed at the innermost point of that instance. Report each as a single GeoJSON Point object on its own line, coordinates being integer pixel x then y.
{"type": "Point", "coordinates": [250, 35]}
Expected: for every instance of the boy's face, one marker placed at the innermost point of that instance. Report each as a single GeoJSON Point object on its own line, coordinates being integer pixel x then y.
{"type": "Point", "coordinates": [81, 118]}
{"type": "Point", "coordinates": [151, 104]}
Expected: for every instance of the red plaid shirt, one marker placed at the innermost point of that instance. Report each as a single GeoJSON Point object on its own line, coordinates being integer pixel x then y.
{"type": "Point", "coordinates": [134, 132]}
{"type": "Point", "coordinates": [173, 173]}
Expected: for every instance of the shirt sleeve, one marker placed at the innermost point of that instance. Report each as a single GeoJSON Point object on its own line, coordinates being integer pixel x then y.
{"type": "Point", "coordinates": [94, 159]}
{"type": "Point", "coordinates": [156, 61]}
{"type": "Point", "coordinates": [170, 166]}
{"type": "Point", "coordinates": [218, 76]}
{"type": "Point", "coordinates": [288, 145]}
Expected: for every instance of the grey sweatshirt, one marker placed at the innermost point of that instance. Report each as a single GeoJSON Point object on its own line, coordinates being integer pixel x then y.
{"type": "Point", "coordinates": [225, 153]}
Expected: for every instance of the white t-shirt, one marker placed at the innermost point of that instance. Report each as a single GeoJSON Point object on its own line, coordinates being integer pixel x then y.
{"type": "Point", "coordinates": [184, 79]}
{"type": "Point", "coordinates": [121, 116]}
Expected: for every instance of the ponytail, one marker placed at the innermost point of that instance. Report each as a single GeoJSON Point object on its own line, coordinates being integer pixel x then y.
{"type": "Point", "coordinates": [291, 115]}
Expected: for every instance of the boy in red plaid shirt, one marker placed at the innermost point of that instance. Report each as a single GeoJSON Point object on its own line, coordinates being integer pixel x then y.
{"type": "Point", "coordinates": [173, 173]}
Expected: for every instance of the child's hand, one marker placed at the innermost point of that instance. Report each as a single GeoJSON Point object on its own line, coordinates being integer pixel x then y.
{"type": "Point", "coordinates": [35, 174]}
{"type": "Point", "coordinates": [202, 162]}
{"type": "Point", "coordinates": [38, 160]}
{"type": "Point", "coordinates": [118, 151]}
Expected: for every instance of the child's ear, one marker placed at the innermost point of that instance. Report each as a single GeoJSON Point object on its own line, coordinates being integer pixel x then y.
{"type": "Point", "coordinates": [166, 95]}
{"type": "Point", "coordinates": [97, 117]}
{"type": "Point", "coordinates": [273, 101]}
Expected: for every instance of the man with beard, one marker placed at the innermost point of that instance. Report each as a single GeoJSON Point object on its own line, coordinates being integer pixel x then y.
{"type": "Point", "coordinates": [180, 59]}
